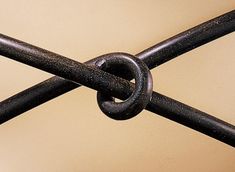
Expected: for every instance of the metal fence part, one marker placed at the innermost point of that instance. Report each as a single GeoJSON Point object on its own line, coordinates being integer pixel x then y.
{"type": "Point", "coordinates": [71, 73]}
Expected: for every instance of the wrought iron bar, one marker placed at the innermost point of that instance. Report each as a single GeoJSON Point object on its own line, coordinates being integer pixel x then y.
{"type": "Point", "coordinates": [156, 55]}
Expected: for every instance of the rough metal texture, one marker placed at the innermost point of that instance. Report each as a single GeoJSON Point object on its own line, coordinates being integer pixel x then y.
{"type": "Point", "coordinates": [87, 74]}
{"type": "Point", "coordinates": [142, 93]}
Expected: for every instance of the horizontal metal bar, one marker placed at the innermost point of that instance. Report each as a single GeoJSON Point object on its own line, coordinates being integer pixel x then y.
{"type": "Point", "coordinates": [160, 104]}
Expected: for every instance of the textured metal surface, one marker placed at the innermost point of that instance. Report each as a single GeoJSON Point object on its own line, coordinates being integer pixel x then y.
{"type": "Point", "coordinates": [142, 93]}
{"type": "Point", "coordinates": [89, 76]}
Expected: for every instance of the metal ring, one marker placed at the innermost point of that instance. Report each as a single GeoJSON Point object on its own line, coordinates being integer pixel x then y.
{"type": "Point", "coordinates": [143, 86]}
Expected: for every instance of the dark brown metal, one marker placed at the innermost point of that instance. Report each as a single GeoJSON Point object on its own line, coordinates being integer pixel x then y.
{"type": "Point", "coordinates": [140, 97]}
{"type": "Point", "coordinates": [117, 87]}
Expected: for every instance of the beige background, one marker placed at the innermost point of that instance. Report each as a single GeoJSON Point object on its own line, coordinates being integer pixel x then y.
{"type": "Point", "coordinates": [71, 134]}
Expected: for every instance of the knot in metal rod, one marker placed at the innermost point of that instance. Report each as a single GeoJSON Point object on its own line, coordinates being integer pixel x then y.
{"type": "Point", "coordinates": [140, 97]}
{"type": "Point", "coordinates": [71, 74]}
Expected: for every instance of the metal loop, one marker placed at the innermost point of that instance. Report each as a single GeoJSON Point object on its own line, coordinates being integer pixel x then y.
{"type": "Point", "coordinates": [142, 93]}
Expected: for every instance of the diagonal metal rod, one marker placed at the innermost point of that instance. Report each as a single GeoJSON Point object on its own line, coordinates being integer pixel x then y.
{"type": "Point", "coordinates": [159, 104]}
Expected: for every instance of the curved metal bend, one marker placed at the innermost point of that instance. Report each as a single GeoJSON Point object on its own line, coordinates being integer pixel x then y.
{"type": "Point", "coordinates": [138, 100]}
{"type": "Point", "coordinates": [156, 55]}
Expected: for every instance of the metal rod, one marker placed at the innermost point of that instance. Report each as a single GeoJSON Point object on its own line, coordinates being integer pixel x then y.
{"type": "Point", "coordinates": [56, 86]}
{"type": "Point", "coordinates": [188, 40]}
